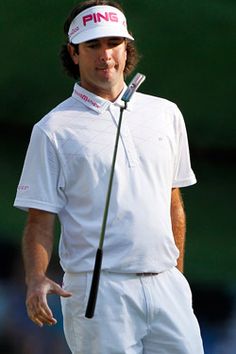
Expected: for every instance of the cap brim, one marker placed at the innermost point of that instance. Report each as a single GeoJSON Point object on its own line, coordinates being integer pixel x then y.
{"type": "Point", "coordinates": [100, 32]}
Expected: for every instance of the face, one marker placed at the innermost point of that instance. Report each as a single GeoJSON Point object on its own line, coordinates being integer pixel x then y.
{"type": "Point", "coordinates": [101, 63]}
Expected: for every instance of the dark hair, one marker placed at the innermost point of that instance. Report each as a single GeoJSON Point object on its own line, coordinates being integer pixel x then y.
{"type": "Point", "coordinates": [73, 70]}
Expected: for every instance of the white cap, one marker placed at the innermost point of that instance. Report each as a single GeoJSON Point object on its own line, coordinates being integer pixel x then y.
{"type": "Point", "coordinates": [98, 22]}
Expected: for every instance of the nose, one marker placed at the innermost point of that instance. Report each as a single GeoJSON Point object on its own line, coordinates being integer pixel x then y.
{"type": "Point", "coordinates": [105, 54]}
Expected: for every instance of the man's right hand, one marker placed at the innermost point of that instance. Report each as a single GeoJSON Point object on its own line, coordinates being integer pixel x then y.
{"type": "Point", "coordinates": [36, 300]}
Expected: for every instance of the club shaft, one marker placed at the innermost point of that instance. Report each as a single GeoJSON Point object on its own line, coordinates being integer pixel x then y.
{"type": "Point", "coordinates": [108, 197]}
{"type": "Point", "coordinates": [98, 260]}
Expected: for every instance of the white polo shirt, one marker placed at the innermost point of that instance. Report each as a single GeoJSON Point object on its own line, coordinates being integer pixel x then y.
{"type": "Point", "coordinates": [67, 167]}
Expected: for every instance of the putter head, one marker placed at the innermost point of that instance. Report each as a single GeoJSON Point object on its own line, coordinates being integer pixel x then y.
{"type": "Point", "coordinates": [133, 86]}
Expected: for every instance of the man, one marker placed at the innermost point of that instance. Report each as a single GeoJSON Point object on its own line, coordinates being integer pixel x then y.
{"type": "Point", "coordinates": [144, 301]}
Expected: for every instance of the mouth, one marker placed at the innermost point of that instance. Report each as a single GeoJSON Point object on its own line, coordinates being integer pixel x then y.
{"type": "Point", "coordinates": [104, 68]}
{"type": "Point", "coordinates": [106, 71]}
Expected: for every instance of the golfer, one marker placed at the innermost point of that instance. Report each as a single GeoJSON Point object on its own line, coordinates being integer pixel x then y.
{"type": "Point", "coordinates": [144, 302]}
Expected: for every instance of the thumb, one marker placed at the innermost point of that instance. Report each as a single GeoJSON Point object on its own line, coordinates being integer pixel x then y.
{"type": "Point", "coordinates": [57, 289]}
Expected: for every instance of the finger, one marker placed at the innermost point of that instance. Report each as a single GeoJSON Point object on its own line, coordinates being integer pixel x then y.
{"type": "Point", "coordinates": [37, 321]}
{"type": "Point", "coordinates": [41, 320]}
{"type": "Point", "coordinates": [65, 293]}
{"type": "Point", "coordinates": [48, 321]}
{"type": "Point", "coordinates": [57, 289]}
{"type": "Point", "coordinates": [36, 318]}
{"type": "Point", "coordinates": [38, 310]}
{"type": "Point", "coordinates": [45, 312]}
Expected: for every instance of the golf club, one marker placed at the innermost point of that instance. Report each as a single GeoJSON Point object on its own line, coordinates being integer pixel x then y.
{"type": "Point", "coordinates": [133, 86]}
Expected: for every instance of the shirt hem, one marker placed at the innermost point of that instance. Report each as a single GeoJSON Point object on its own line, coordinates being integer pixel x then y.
{"type": "Point", "coordinates": [26, 205]}
{"type": "Point", "coordinates": [184, 183]}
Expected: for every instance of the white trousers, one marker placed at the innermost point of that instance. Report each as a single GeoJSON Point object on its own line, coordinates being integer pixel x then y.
{"type": "Point", "coordinates": [134, 315]}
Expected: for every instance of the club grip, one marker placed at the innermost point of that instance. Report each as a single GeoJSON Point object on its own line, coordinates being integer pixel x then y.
{"type": "Point", "coordinates": [94, 286]}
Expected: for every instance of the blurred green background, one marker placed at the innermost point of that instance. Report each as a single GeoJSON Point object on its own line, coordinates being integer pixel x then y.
{"type": "Point", "coordinates": [188, 53]}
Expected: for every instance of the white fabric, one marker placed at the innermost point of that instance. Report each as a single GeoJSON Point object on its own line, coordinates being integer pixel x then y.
{"type": "Point", "coordinates": [67, 168]}
{"type": "Point", "coordinates": [134, 315]}
{"type": "Point", "coordinates": [97, 22]}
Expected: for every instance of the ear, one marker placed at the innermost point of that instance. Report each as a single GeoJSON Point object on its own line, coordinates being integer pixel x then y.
{"type": "Point", "coordinates": [73, 54]}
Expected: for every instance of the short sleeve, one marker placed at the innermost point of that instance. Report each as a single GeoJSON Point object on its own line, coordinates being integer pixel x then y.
{"type": "Point", "coordinates": [183, 173]}
{"type": "Point", "coordinates": [41, 183]}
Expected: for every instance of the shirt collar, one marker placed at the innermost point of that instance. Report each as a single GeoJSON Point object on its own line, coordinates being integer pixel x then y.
{"type": "Point", "coordinates": [94, 102]}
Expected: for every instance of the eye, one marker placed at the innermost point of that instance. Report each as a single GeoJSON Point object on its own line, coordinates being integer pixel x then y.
{"type": "Point", "coordinates": [92, 44]}
{"type": "Point", "coordinates": [114, 42]}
